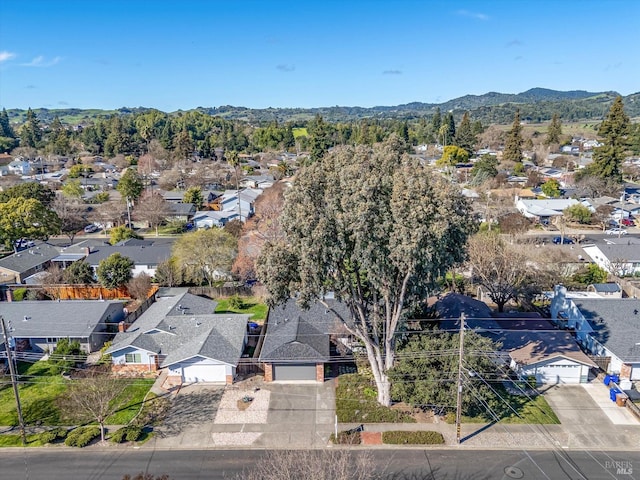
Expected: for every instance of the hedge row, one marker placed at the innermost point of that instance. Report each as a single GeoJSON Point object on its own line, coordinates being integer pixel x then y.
{"type": "Point", "coordinates": [413, 438]}
{"type": "Point", "coordinates": [52, 435]}
{"type": "Point", "coordinates": [130, 433]}
{"type": "Point", "coordinates": [82, 436]}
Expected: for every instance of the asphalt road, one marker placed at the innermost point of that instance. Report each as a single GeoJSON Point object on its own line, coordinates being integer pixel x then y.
{"type": "Point", "coordinates": [405, 464]}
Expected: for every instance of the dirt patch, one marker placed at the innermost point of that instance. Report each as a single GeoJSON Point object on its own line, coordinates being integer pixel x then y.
{"type": "Point", "coordinates": [419, 415]}
{"type": "Point", "coordinates": [190, 409]}
{"type": "Point", "coordinates": [244, 403]}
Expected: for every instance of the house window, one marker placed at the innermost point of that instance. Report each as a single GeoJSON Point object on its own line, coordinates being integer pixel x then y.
{"type": "Point", "coordinates": [52, 340]}
{"type": "Point", "coordinates": [133, 358]}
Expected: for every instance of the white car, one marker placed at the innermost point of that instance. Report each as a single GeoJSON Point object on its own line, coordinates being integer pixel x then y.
{"type": "Point", "coordinates": [616, 231]}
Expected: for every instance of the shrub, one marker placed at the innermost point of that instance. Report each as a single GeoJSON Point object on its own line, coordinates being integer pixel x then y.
{"type": "Point", "coordinates": [236, 302]}
{"type": "Point", "coordinates": [18, 294]}
{"type": "Point", "coordinates": [52, 435]}
{"type": "Point", "coordinates": [347, 437]}
{"type": "Point", "coordinates": [82, 436]}
{"type": "Point", "coordinates": [413, 438]}
{"type": "Point", "coordinates": [130, 433]}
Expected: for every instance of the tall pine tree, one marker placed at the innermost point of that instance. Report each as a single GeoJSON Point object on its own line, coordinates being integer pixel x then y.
{"type": "Point", "coordinates": [513, 145]}
{"type": "Point", "coordinates": [554, 131]}
{"type": "Point", "coordinates": [614, 130]}
{"type": "Point", "coordinates": [465, 138]}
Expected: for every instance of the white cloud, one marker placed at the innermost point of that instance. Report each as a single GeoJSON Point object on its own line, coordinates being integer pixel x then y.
{"type": "Point", "coordinates": [40, 61]}
{"type": "Point", "coordinates": [286, 67]}
{"type": "Point", "coordinates": [4, 56]}
{"type": "Point", "coordinates": [476, 15]}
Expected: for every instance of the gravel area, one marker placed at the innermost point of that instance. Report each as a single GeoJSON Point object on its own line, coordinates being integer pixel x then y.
{"type": "Point", "coordinates": [229, 413]}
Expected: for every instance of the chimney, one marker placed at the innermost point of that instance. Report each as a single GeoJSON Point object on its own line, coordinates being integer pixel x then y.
{"type": "Point", "coordinates": [121, 327]}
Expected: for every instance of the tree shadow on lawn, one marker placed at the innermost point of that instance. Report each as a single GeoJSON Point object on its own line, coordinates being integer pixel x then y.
{"type": "Point", "coordinates": [190, 409]}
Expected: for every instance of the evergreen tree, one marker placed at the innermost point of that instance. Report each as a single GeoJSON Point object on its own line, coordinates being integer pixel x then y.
{"type": "Point", "coordinates": [30, 133]}
{"type": "Point", "coordinates": [614, 130]}
{"type": "Point", "coordinates": [436, 121]}
{"type": "Point", "coordinates": [513, 145]}
{"type": "Point", "coordinates": [465, 138]}
{"type": "Point", "coordinates": [554, 131]}
{"type": "Point", "coordinates": [448, 129]}
{"type": "Point", "coordinates": [5, 125]}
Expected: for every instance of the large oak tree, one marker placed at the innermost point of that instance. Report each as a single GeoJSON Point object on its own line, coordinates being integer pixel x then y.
{"type": "Point", "coordinates": [376, 228]}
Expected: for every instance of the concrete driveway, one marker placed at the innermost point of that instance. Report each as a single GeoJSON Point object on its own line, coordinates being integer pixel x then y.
{"type": "Point", "coordinates": [574, 406]}
{"type": "Point", "coordinates": [301, 415]}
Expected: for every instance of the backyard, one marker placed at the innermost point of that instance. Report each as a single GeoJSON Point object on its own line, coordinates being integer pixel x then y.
{"type": "Point", "coordinates": [249, 305]}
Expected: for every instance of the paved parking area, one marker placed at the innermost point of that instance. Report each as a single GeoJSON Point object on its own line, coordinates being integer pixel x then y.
{"type": "Point", "coordinates": [574, 406]}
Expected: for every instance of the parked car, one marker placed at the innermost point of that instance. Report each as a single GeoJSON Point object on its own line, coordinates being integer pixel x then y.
{"type": "Point", "coordinates": [627, 222]}
{"type": "Point", "coordinates": [565, 240]}
{"type": "Point", "coordinates": [616, 231]}
{"type": "Point", "coordinates": [91, 228]}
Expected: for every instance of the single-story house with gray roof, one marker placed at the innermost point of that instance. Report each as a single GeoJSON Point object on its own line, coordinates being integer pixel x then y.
{"type": "Point", "coordinates": [617, 259]}
{"type": "Point", "coordinates": [607, 290]}
{"type": "Point", "coordinates": [526, 343]}
{"type": "Point", "coordinates": [37, 326]}
{"type": "Point", "coordinates": [606, 327]}
{"type": "Point", "coordinates": [17, 267]}
{"type": "Point", "coordinates": [181, 333]}
{"type": "Point", "coordinates": [297, 342]}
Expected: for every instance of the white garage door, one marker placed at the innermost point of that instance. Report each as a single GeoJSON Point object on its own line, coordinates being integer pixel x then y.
{"type": "Point", "coordinates": [552, 374]}
{"type": "Point", "coordinates": [294, 372]}
{"type": "Point", "coordinates": [203, 373]}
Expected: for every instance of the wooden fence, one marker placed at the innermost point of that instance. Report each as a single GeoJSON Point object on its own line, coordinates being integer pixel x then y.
{"type": "Point", "coordinates": [221, 292]}
{"type": "Point", "coordinates": [79, 292]}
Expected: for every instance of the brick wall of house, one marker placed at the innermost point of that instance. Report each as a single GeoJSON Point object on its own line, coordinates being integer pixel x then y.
{"type": "Point", "coordinates": [319, 372]}
{"type": "Point", "coordinates": [625, 371]}
{"type": "Point", "coordinates": [229, 379]}
{"type": "Point", "coordinates": [268, 372]}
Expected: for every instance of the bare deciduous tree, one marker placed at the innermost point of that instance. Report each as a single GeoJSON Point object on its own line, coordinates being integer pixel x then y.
{"type": "Point", "coordinates": [72, 215]}
{"type": "Point", "coordinates": [153, 209]}
{"type": "Point", "coordinates": [498, 267]}
{"type": "Point", "coordinates": [315, 465]}
{"type": "Point", "coordinates": [94, 397]}
{"type": "Point", "coordinates": [139, 286]}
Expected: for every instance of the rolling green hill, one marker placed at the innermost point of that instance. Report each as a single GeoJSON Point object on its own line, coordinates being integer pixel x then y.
{"type": "Point", "coordinates": [535, 105]}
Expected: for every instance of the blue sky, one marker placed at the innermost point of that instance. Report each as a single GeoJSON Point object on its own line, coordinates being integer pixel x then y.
{"type": "Point", "coordinates": [188, 53]}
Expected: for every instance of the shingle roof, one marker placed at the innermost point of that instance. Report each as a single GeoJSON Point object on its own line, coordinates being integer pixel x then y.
{"type": "Point", "coordinates": [163, 329]}
{"type": "Point", "coordinates": [29, 258]}
{"type": "Point", "coordinates": [141, 255]}
{"type": "Point", "coordinates": [294, 334]}
{"type": "Point", "coordinates": [616, 324]}
{"type": "Point", "coordinates": [527, 347]}
{"type": "Point", "coordinates": [606, 287]}
{"type": "Point", "coordinates": [628, 253]}
{"type": "Point", "coordinates": [69, 318]}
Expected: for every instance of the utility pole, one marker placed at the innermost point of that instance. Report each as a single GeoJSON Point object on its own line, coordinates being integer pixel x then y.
{"type": "Point", "coordinates": [459, 398]}
{"type": "Point", "coordinates": [14, 381]}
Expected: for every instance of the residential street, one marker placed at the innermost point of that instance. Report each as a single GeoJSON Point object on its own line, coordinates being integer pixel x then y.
{"type": "Point", "coordinates": [414, 464]}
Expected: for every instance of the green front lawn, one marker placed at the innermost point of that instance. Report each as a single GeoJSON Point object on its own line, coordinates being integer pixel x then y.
{"type": "Point", "coordinates": [356, 402]}
{"type": "Point", "coordinates": [39, 393]}
{"type": "Point", "coordinates": [534, 410]}
{"type": "Point", "coordinates": [250, 305]}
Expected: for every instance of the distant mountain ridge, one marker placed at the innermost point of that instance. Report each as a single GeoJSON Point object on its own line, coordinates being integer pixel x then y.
{"type": "Point", "coordinates": [536, 104]}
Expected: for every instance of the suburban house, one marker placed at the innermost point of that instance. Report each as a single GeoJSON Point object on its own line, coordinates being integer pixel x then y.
{"type": "Point", "coordinates": [20, 167]}
{"type": "Point", "coordinates": [181, 211]}
{"type": "Point", "coordinates": [241, 202]}
{"type": "Point", "coordinates": [535, 348]}
{"type": "Point", "coordinates": [620, 260]}
{"type": "Point", "coordinates": [608, 328]}
{"type": "Point", "coordinates": [606, 290]}
{"type": "Point", "coordinates": [298, 343]}
{"type": "Point", "coordinates": [258, 181]}
{"type": "Point", "coordinates": [543, 211]}
{"type": "Point", "coordinates": [528, 344]}
{"type": "Point", "coordinates": [145, 254]}
{"type": "Point", "coordinates": [213, 218]}
{"type": "Point", "coordinates": [18, 267]}
{"type": "Point", "coordinates": [37, 326]}
{"type": "Point", "coordinates": [180, 333]}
